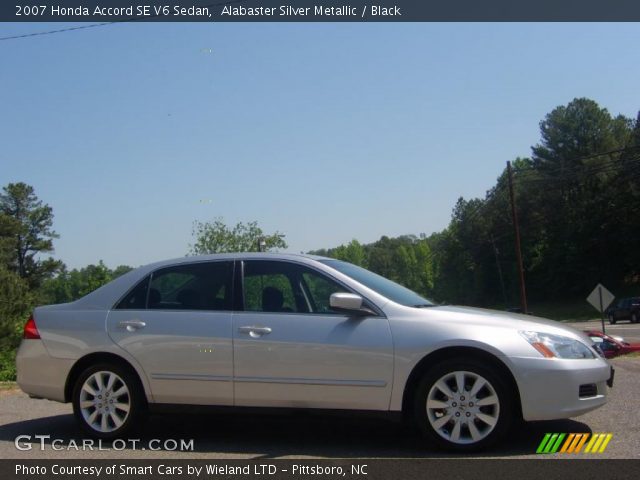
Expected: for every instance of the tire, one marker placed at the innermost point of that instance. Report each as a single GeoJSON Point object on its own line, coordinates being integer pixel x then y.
{"type": "Point", "coordinates": [454, 421]}
{"type": "Point", "coordinates": [634, 318]}
{"type": "Point", "coordinates": [104, 417]}
{"type": "Point", "coordinates": [611, 320]}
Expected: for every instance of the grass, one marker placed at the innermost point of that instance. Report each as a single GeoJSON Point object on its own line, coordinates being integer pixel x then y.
{"type": "Point", "coordinates": [630, 355]}
{"type": "Point", "coordinates": [572, 310]}
{"type": "Point", "coordinates": [577, 310]}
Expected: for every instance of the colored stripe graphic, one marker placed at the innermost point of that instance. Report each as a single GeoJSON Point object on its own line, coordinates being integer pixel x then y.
{"type": "Point", "coordinates": [555, 447]}
{"type": "Point", "coordinates": [594, 437]}
{"type": "Point", "coordinates": [543, 443]}
{"type": "Point", "coordinates": [574, 442]}
{"type": "Point", "coordinates": [581, 442]}
{"type": "Point", "coordinates": [578, 438]}
{"type": "Point", "coordinates": [550, 443]}
{"type": "Point", "coordinates": [606, 442]}
{"type": "Point", "coordinates": [568, 442]}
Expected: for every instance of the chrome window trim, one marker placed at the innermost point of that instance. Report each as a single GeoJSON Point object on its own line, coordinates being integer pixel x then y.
{"type": "Point", "coordinates": [377, 312]}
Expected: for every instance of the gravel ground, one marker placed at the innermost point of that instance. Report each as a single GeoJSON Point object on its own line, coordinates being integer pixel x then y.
{"type": "Point", "coordinates": [306, 435]}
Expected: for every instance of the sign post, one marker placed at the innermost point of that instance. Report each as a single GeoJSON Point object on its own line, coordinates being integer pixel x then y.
{"type": "Point", "coordinates": [600, 298]}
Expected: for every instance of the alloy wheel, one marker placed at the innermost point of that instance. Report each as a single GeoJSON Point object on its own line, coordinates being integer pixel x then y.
{"type": "Point", "coordinates": [463, 407]}
{"type": "Point", "coordinates": [105, 401]}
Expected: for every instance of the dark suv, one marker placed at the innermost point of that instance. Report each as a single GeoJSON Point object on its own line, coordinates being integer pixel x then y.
{"type": "Point", "coordinates": [625, 309]}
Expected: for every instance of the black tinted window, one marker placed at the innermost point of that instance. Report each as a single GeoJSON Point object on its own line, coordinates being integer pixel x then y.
{"type": "Point", "coordinates": [136, 299]}
{"type": "Point", "coordinates": [286, 287]}
{"type": "Point", "coordinates": [196, 286]}
{"type": "Point", "coordinates": [319, 290]}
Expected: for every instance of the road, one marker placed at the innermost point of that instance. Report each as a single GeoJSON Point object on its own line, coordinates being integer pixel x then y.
{"type": "Point", "coordinates": [306, 435]}
{"type": "Point", "coordinates": [629, 331]}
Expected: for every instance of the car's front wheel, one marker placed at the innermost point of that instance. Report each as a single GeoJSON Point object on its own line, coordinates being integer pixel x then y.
{"type": "Point", "coordinates": [108, 401]}
{"type": "Point", "coordinates": [463, 405]}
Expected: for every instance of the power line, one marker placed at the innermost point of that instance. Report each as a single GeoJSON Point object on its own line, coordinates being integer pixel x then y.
{"type": "Point", "coordinates": [483, 244]}
{"type": "Point", "coordinates": [95, 25]}
{"type": "Point", "coordinates": [61, 30]}
{"type": "Point", "coordinates": [575, 165]}
{"type": "Point", "coordinates": [531, 176]}
{"type": "Point", "coordinates": [573, 175]}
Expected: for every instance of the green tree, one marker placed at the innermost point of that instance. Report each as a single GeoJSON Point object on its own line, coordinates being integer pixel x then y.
{"type": "Point", "coordinates": [353, 252]}
{"type": "Point", "coordinates": [406, 259]}
{"type": "Point", "coordinates": [217, 237]}
{"type": "Point", "coordinates": [15, 304]}
{"type": "Point", "coordinates": [68, 286]}
{"type": "Point", "coordinates": [578, 165]}
{"type": "Point", "coordinates": [26, 229]}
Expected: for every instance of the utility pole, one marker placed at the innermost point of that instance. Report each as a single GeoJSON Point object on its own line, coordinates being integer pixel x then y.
{"type": "Point", "coordinates": [262, 244]}
{"type": "Point", "coordinates": [504, 292]}
{"type": "Point", "coordinates": [516, 227]}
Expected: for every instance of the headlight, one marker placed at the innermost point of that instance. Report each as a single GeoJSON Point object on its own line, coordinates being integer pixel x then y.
{"type": "Point", "coordinates": [557, 346]}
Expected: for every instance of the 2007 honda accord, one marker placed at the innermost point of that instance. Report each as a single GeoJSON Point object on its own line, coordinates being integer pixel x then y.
{"type": "Point", "coordinates": [299, 331]}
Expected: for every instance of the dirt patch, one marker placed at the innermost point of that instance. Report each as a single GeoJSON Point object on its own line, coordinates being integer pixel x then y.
{"type": "Point", "coordinates": [8, 388]}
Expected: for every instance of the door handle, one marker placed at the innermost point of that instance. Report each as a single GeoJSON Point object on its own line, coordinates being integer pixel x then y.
{"type": "Point", "coordinates": [254, 331]}
{"type": "Point", "coordinates": [132, 325]}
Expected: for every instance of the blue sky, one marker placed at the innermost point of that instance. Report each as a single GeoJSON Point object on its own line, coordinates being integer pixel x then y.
{"type": "Point", "coordinates": [325, 132]}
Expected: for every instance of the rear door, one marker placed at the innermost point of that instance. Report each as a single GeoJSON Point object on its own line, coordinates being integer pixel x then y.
{"type": "Point", "coordinates": [177, 324]}
{"type": "Point", "coordinates": [291, 349]}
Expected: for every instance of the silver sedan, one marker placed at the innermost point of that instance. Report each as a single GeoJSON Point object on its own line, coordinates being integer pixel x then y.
{"type": "Point", "coordinates": [299, 331]}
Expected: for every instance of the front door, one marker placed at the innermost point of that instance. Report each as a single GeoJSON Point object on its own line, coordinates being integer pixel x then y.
{"type": "Point", "coordinates": [292, 350]}
{"type": "Point", "coordinates": [177, 324]}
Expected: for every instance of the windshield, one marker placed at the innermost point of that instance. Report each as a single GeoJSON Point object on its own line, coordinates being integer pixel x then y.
{"type": "Point", "coordinates": [383, 286]}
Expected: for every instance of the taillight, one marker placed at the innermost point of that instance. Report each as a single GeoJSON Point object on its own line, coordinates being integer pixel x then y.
{"type": "Point", "coordinates": [30, 330]}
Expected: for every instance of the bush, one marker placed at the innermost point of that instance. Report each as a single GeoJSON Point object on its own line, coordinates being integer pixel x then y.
{"type": "Point", "coordinates": [15, 304]}
{"type": "Point", "coordinates": [7, 365]}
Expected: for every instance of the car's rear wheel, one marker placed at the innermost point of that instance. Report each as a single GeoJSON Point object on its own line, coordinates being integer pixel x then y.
{"type": "Point", "coordinates": [463, 405]}
{"type": "Point", "coordinates": [634, 318]}
{"type": "Point", "coordinates": [108, 401]}
{"type": "Point", "coordinates": [611, 320]}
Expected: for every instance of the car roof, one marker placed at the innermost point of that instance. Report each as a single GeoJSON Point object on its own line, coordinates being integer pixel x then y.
{"type": "Point", "coordinates": [237, 256]}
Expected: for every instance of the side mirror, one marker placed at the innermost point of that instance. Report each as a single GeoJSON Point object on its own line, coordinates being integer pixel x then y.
{"type": "Point", "coordinates": [347, 302]}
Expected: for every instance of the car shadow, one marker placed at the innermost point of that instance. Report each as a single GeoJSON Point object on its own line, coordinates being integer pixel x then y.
{"type": "Point", "coordinates": [277, 435]}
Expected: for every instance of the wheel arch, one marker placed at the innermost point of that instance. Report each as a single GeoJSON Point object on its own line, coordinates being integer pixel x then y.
{"type": "Point", "coordinates": [437, 356]}
{"type": "Point", "coordinates": [99, 357]}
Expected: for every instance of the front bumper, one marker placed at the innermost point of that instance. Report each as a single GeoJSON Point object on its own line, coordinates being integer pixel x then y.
{"type": "Point", "coordinates": [550, 388]}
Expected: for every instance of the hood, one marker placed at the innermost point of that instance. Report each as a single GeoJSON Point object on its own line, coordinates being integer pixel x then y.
{"type": "Point", "coordinates": [497, 318]}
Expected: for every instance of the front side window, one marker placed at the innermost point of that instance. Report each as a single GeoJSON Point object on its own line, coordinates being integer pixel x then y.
{"type": "Point", "coordinates": [271, 286]}
{"type": "Point", "coordinates": [196, 286]}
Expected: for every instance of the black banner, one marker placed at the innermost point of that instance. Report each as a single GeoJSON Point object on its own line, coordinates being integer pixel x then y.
{"type": "Point", "coordinates": [319, 10]}
{"type": "Point", "coordinates": [365, 469]}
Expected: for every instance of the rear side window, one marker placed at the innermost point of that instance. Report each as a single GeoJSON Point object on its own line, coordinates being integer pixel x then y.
{"type": "Point", "coordinates": [197, 286]}
{"type": "Point", "coordinates": [136, 299]}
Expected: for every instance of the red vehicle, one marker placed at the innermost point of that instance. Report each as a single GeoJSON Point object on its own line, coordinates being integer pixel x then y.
{"type": "Point", "coordinates": [612, 347]}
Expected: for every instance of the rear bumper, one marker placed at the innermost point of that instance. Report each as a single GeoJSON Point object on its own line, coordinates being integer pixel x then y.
{"type": "Point", "coordinates": [39, 374]}
{"type": "Point", "coordinates": [550, 388]}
